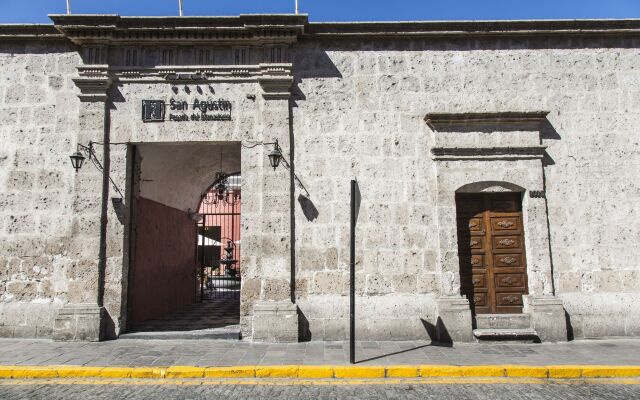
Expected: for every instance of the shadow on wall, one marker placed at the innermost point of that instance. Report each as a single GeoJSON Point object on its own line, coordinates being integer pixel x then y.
{"type": "Point", "coordinates": [308, 208]}
{"type": "Point", "coordinates": [304, 333]}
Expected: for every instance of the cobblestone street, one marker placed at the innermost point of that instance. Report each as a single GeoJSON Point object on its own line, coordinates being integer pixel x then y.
{"type": "Point", "coordinates": [13, 390]}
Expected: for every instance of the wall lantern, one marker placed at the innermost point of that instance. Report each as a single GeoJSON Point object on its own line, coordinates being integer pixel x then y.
{"type": "Point", "coordinates": [77, 159]}
{"type": "Point", "coordinates": [275, 155]}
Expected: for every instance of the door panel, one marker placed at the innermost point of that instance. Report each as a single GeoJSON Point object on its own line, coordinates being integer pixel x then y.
{"type": "Point", "coordinates": [491, 249]}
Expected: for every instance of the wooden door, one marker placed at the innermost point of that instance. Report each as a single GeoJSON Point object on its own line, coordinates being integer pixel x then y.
{"type": "Point", "coordinates": [491, 250]}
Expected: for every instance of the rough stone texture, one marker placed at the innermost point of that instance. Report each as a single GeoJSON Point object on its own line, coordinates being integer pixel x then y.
{"type": "Point", "coordinates": [40, 264]}
{"type": "Point", "coordinates": [382, 90]}
{"type": "Point", "coordinates": [357, 110]}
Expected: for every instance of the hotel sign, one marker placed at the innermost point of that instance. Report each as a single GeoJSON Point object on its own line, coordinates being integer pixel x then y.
{"type": "Point", "coordinates": [182, 111]}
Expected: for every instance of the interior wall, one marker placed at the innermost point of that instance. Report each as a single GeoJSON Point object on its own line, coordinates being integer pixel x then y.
{"type": "Point", "coordinates": [164, 275]}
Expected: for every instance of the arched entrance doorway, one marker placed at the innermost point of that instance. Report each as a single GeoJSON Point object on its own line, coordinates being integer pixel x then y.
{"type": "Point", "coordinates": [218, 248]}
{"type": "Point", "coordinates": [172, 241]}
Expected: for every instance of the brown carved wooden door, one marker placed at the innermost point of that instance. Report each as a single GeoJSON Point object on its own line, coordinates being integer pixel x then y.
{"type": "Point", "coordinates": [493, 270]}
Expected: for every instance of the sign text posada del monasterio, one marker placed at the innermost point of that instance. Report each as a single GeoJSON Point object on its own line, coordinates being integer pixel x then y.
{"type": "Point", "coordinates": [181, 110]}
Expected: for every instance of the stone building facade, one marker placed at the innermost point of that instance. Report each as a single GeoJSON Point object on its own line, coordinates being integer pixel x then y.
{"type": "Point", "coordinates": [421, 114]}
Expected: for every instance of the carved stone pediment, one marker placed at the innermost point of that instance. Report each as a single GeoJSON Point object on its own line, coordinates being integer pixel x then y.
{"type": "Point", "coordinates": [487, 136]}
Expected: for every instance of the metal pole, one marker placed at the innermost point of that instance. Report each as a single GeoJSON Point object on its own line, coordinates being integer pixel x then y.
{"type": "Point", "coordinates": [352, 276]}
{"type": "Point", "coordinates": [296, 7]}
{"type": "Point", "coordinates": [69, 7]}
{"type": "Point", "coordinates": [180, 4]}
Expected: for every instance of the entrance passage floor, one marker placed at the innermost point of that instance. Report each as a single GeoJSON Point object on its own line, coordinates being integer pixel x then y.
{"type": "Point", "coordinates": [140, 353]}
{"type": "Point", "coordinates": [217, 318]}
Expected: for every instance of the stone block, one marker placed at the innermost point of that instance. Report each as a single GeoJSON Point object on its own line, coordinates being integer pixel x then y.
{"type": "Point", "coordinates": [454, 320]}
{"type": "Point", "coordinates": [275, 321]}
{"type": "Point", "coordinates": [404, 283]}
{"type": "Point", "coordinates": [547, 317]}
{"type": "Point", "coordinates": [79, 322]}
{"type": "Point", "coordinates": [378, 285]}
{"type": "Point", "coordinates": [330, 283]}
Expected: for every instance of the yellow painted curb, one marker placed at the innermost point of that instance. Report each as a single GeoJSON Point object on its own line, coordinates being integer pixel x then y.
{"type": "Point", "coordinates": [315, 372]}
{"type": "Point", "coordinates": [6, 372]}
{"type": "Point", "coordinates": [185, 372]}
{"type": "Point", "coordinates": [324, 372]}
{"type": "Point", "coordinates": [34, 372]}
{"type": "Point", "coordinates": [482, 370]}
{"type": "Point", "coordinates": [403, 371]}
{"type": "Point", "coordinates": [277, 371]}
{"type": "Point", "coordinates": [115, 372]}
{"type": "Point", "coordinates": [526, 371]}
{"type": "Point", "coordinates": [610, 371]}
{"type": "Point", "coordinates": [358, 372]}
{"type": "Point", "coordinates": [230, 372]}
{"type": "Point", "coordinates": [427, 371]}
{"type": "Point", "coordinates": [78, 371]}
{"type": "Point", "coordinates": [565, 371]}
{"type": "Point", "coordinates": [148, 372]}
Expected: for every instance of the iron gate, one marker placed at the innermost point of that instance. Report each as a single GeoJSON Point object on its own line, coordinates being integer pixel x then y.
{"type": "Point", "coordinates": [219, 239]}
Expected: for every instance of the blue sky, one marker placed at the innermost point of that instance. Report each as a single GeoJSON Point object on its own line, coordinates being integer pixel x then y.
{"type": "Point", "coordinates": [35, 11]}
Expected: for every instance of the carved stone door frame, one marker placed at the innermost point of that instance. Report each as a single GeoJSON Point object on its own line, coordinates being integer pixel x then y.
{"type": "Point", "coordinates": [467, 160]}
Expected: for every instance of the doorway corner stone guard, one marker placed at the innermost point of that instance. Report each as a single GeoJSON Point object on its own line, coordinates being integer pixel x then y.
{"type": "Point", "coordinates": [508, 160]}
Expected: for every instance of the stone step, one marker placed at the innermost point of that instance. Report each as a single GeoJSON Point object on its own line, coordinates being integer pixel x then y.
{"type": "Point", "coordinates": [503, 321]}
{"type": "Point", "coordinates": [507, 335]}
{"type": "Point", "coordinates": [226, 333]}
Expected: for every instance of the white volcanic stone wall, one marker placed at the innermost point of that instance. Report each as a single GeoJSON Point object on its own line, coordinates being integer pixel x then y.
{"type": "Point", "coordinates": [358, 109]}
{"type": "Point", "coordinates": [360, 114]}
{"type": "Point", "coordinates": [39, 263]}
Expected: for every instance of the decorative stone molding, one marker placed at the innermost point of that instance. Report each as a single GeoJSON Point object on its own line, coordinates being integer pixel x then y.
{"type": "Point", "coordinates": [112, 29]}
{"type": "Point", "coordinates": [477, 29]}
{"type": "Point", "coordinates": [441, 121]}
{"type": "Point", "coordinates": [488, 153]}
{"type": "Point", "coordinates": [276, 87]}
{"type": "Point", "coordinates": [198, 73]}
{"type": "Point", "coordinates": [93, 83]}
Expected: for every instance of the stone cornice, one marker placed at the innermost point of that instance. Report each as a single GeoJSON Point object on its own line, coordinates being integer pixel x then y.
{"type": "Point", "coordinates": [488, 153]}
{"type": "Point", "coordinates": [476, 28]}
{"type": "Point", "coordinates": [287, 28]}
{"type": "Point", "coordinates": [29, 31]}
{"type": "Point", "coordinates": [442, 121]}
{"type": "Point", "coordinates": [255, 30]}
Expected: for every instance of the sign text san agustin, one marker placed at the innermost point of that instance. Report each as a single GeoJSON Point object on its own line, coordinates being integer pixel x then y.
{"type": "Point", "coordinates": [201, 110]}
{"type": "Point", "coordinates": [205, 110]}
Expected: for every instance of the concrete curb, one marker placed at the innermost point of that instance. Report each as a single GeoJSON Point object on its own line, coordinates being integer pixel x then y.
{"type": "Point", "coordinates": [324, 371]}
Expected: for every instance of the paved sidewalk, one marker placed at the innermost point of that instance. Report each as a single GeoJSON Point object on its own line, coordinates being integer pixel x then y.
{"type": "Point", "coordinates": [140, 353]}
